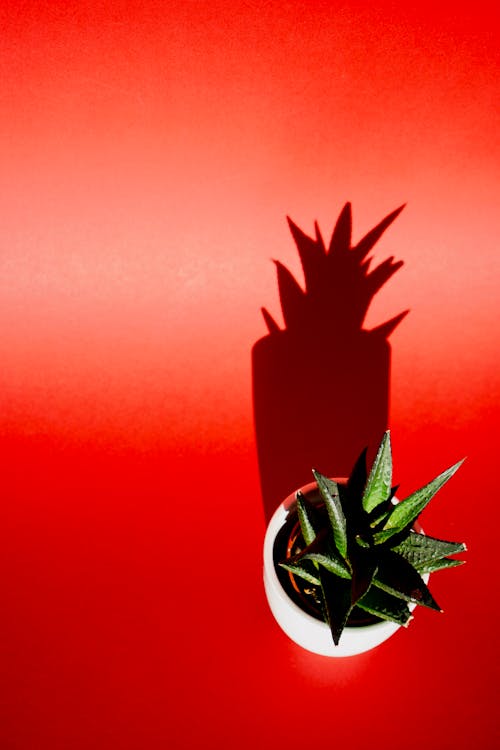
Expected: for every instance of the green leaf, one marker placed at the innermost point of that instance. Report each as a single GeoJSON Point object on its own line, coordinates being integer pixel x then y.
{"type": "Point", "coordinates": [420, 548]}
{"type": "Point", "coordinates": [330, 494]}
{"type": "Point", "coordinates": [432, 565]}
{"type": "Point", "coordinates": [318, 544]}
{"type": "Point", "coordinates": [362, 542]}
{"type": "Point", "coordinates": [405, 512]}
{"type": "Point", "coordinates": [379, 519]}
{"type": "Point", "coordinates": [396, 576]}
{"type": "Point", "coordinates": [334, 565]}
{"type": "Point", "coordinates": [306, 525]}
{"type": "Point", "coordinates": [386, 606]}
{"type": "Point", "coordinates": [337, 605]}
{"type": "Point", "coordinates": [378, 486]}
{"type": "Point", "coordinates": [297, 570]}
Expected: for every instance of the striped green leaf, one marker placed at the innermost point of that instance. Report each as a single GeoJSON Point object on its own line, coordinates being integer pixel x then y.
{"type": "Point", "coordinates": [337, 605]}
{"type": "Point", "coordinates": [378, 486]}
{"type": "Point", "coordinates": [330, 494]}
{"type": "Point", "coordinates": [305, 521]}
{"type": "Point", "coordinates": [334, 565]}
{"type": "Point", "coordinates": [398, 577]}
{"type": "Point", "coordinates": [385, 606]}
{"type": "Point", "coordinates": [431, 566]}
{"type": "Point", "coordinates": [297, 570]}
{"type": "Point", "coordinates": [406, 512]}
{"type": "Point", "coordinates": [419, 549]}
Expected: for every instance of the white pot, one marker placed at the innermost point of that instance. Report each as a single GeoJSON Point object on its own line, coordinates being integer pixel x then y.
{"type": "Point", "coordinates": [304, 629]}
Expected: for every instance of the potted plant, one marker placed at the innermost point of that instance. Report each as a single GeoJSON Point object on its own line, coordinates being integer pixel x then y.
{"type": "Point", "coordinates": [345, 562]}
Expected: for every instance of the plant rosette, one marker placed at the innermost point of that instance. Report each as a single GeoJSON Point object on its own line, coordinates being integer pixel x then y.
{"type": "Point", "coordinates": [345, 563]}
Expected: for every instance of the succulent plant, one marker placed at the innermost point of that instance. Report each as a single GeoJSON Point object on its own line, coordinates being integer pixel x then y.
{"type": "Point", "coordinates": [357, 549]}
{"type": "Point", "coordinates": [331, 272]}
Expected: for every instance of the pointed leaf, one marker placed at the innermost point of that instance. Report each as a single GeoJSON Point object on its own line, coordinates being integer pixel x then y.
{"type": "Point", "coordinates": [369, 240]}
{"type": "Point", "coordinates": [336, 594]}
{"type": "Point", "coordinates": [341, 237]}
{"type": "Point", "coordinates": [319, 544]}
{"type": "Point", "coordinates": [306, 524]}
{"type": "Point", "coordinates": [298, 570]}
{"type": "Point", "coordinates": [387, 536]}
{"type": "Point", "coordinates": [396, 576]}
{"type": "Point", "coordinates": [330, 494]}
{"type": "Point", "coordinates": [378, 486]}
{"type": "Point", "coordinates": [385, 606]}
{"type": "Point", "coordinates": [381, 513]}
{"type": "Point", "coordinates": [408, 510]}
{"type": "Point", "coordinates": [421, 548]}
{"type": "Point", "coordinates": [362, 542]}
{"type": "Point", "coordinates": [431, 566]}
{"type": "Point", "coordinates": [334, 564]}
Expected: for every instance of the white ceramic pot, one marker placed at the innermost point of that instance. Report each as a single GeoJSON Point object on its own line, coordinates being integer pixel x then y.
{"type": "Point", "coordinates": [304, 629]}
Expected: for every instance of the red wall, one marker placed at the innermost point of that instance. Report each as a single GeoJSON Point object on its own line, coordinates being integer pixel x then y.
{"type": "Point", "coordinates": [150, 153]}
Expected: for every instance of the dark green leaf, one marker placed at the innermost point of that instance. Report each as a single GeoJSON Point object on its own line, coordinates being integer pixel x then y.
{"type": "Point", "coordinates": [432, 565]}
{"type": "Point", "coordinates": [420, 548]}
{"type": "Point", "coordinates": [330, 494]}
{"type": "Point", "coordinates": [301, 572]}
{"type": "Point", "coordinates": [396, 576]}
{"type": "Point", "coordinates": [383, 605]}
{"type": "Point", "coordinates": [318, 544]}
{"type": "Point", "coordinates": [378, 486]}
{"type": "Point", "coordinates": [405, 512]}
{"type": "Point", "coordinates": [305, 520]}
{"type": "Point", "coordinates": [361, 541]}
{"type": "Point", "coordinates": [336, 594]}
{"type": "Point", "coordinates": [380, 518]}
{"type": "Point", "coordinates": [334, 564]}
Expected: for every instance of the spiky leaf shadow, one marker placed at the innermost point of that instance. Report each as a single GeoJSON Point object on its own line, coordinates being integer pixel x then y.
{"type": "Point", "coordinates": [330, 275]}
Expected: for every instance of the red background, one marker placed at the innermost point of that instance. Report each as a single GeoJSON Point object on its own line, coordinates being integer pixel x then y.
{"type": "Point", "coordinates": [150, 153]}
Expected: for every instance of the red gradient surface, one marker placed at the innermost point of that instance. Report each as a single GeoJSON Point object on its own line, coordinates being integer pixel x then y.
{"type": "Point", "coordinates": [150, 153]}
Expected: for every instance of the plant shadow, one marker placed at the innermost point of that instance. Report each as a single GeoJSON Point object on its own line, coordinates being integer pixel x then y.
{"type": "Point", "coordinates": [321, 385]}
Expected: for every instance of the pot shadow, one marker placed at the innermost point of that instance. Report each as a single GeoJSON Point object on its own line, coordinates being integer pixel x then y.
{"type": "Point", "coordinates": [321, 385]}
